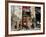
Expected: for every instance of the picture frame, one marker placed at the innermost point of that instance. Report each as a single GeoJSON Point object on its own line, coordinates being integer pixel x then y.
{"type": "Point", "coordinates": [28, 8]}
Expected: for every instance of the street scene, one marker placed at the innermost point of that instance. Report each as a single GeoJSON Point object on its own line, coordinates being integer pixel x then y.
{"type": "Point", "coordinates": [25, 18]}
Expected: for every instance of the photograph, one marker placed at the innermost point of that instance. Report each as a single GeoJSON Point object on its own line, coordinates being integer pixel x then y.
{"type": "Point", "coordinates": [25, 18]}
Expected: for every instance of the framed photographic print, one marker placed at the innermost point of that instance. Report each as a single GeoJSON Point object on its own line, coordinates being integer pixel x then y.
{"type": "Point", "coordinates": [25, 18]}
